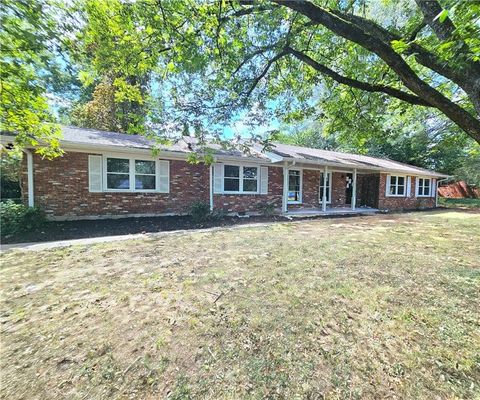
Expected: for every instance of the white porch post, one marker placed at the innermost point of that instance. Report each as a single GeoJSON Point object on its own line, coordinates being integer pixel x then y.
{"type": "Point", "coordinates": [354, 189]}
{"type": "Point", "coordinates": [31, 201]}
{"type": "Point", "coordinates": [285, 190]}
{"type": "Point", "coordinates": [324, 197]}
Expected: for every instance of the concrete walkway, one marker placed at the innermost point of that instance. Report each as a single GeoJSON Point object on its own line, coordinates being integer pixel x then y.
{"type": "Point", "coordinates": [37, 246]}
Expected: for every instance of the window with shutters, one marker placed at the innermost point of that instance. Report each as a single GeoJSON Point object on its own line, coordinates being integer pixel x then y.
{"type": "Point", "coordinates": [240, 179]}
{"type": "Point", "coordinates": [424, 187]}
{"type": "Point", "coordinates": [130, 174]}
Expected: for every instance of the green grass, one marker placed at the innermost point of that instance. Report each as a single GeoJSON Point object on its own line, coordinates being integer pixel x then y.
{"type": "Point", "coordinates": [454, 203]}
{"type": "Point", "coordinates": [356, 308]}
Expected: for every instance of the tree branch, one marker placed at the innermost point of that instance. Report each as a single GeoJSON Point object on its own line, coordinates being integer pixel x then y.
{"type": "Point", "coordinates": [430, 10]}
{"type": "Point", "coordinates": [265, 71]}
{"type": "Point", "coordinates": [462, 76]}
{"type": "Point", "coordinates": [368, 87]}
{"type": "Point", "coordinates": [407, 75]}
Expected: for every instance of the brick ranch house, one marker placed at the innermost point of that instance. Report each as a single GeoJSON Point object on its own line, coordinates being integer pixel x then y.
{"type": "Point", "coordinates": [107, 174]}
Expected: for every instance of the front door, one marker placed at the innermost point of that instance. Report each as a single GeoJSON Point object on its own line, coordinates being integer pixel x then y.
{"type": "Point", "coordinates": [348, 189]}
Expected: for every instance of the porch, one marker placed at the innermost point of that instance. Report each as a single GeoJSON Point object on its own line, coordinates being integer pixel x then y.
{"type": "Point", "coordinates": [331, 211]}
{"type": "Point", "coordinates": [321, 190]}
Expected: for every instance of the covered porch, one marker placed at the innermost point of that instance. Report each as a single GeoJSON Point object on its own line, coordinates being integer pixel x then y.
{"type": "Point", "coordinates": [310, 190]}
{"type": "Point", "coordinates": [331, 211]}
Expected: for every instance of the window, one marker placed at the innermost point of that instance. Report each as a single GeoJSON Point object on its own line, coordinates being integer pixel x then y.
{"type": "Point", "coordinates": [294, 186]}
{"type": "Point", "coordinates": [329, 186]}
{"type": "Point", "coordinates": [250, 175]}
{"type": "Point", "coordinates": [231, 181]}
{"type": "Point", "coordinates": [424, 187]}
{"type": "Point", "coordinates": [396, 186]}
{"type": "Point", "coordinates": [144, 175]}
{"type": "Point", "coordinates": [240, 179]}
{"type": "Point", "coordinates": [127, 174]}
{"type": "Point", "coordinates": [118, 173]}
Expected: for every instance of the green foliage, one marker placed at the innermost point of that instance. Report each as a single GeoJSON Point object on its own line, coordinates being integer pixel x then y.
{"type": "Point", "coordinates": [200, 211]}
{"type": "Point", "coordinates": [469, 166]}
{"type": "Point", "coordinates": [9, 176]}
{"type": "Point", "coordinates": [17, 218]}
{"type": "Point", "coordinates": [267, 209]}
{"type": "Point", "coordinates": [25, 59]}
{"type": "Point", "coordinates": [455, 203]}
{"type": "Point", "coordinates": [117, 47]}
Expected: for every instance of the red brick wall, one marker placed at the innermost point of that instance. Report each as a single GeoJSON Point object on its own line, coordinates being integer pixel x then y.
{"type": "Point", "coordinates": [367, 190]}
{"type": "Point", "coordinates": [338, 189]}
{"type": "Point", "coordinates": [310, 190]}
{"type": "Point", "coordinates": [253, 202]}
{"type": "Point", "coordinates": [61, 189]}
{"type": "Point", "coordinates": [402, 203]}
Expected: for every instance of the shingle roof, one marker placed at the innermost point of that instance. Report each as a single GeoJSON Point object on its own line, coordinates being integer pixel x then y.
{"type": "Point", "coordinates": [346, 159]}
{"type": "Point", "coordinates": [280, 151]}
{"type": "Point", "coordinates": [93, 137]}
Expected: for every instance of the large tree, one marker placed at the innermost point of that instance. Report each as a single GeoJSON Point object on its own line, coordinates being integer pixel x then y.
{"type": "Point", "coordinates": [424, 53]}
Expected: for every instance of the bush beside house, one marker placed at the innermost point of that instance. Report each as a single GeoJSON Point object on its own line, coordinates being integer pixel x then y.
{"type": "Point", "coordinates": [17, 218]}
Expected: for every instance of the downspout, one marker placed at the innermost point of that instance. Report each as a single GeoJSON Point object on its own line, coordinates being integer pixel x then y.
{"type": "Point", "coordinates": [211, 187]}
{"type": "Point", "coordinates": [437, 186]}
{"type": "Point", "coordinates": [31, 201]}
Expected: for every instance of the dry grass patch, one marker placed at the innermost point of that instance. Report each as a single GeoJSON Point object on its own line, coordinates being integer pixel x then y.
{"type": "Point", "coordinates": [375, 307]}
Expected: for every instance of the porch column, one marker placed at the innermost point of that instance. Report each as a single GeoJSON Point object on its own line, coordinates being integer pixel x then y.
{"type": "Point", "coordinates": [324, 197]}
{"type": "Point", "coordinates": [354, 189]}
{"type": "Point", "coordinates": [285, 190]}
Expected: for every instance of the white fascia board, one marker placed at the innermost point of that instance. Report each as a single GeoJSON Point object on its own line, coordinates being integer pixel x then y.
{"type": "Point", "coordinates": [328, 164]}
{"type": "Point", "coordinates": [6, 139]}
{"type": "Point", "coordinates": [423, 174]}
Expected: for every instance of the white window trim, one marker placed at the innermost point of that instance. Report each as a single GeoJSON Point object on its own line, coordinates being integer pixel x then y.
{"type": "Point", "coordinates": [240, 178]}
{"type": "Point", "coordinates": [131, 173]}
{"type": "Point", "coordinates": [387, 186]}
{"type": "Point", "coordinates": [418, 187]}
{"type": "Point", "coordinates": [301, 186]}
{"type": "Point", "coordinates": [329, 174]}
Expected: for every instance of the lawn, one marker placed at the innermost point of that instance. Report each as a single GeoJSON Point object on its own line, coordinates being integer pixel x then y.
{"type": "Point", "coordinates": [353, 308]}
{"type": "Point", "coordinates": [454, 203]}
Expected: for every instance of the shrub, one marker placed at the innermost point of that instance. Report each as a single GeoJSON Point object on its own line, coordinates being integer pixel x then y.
{"type": "Point", "coordinates": [17, 218]}
{"type": "Point", "coordinates": [200, 211]}
{"type": "Point", "coordinates": [267, 209]}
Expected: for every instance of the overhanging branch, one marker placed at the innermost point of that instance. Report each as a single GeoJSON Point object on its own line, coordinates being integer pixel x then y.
{"type": "Point", "coordinates": [265, 71]}
{"type": "Point", "coordinates": [368, 87]}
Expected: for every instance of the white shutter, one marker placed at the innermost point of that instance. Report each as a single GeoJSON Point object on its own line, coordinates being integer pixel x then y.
{"type": "Point", "coordinates": [416, 186]}
{"type": "Point", "coordinates": [409, 185]}
{"type": "Point", "coordinates": [94, 173]}
{"type": "Point", "coordinates": [433, 189]}
{"type": "Point", "coordinates": [163, 179]}
{"type": "Point", "coordinates": [387, 186]}
{"type": "Point", "coordinates": [263, 180]}
{"type": "Point", "coordinates": [217, 178]}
